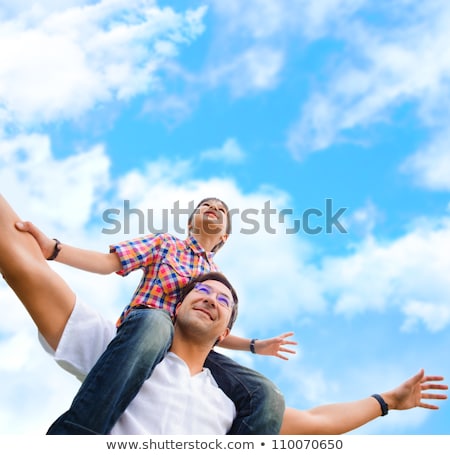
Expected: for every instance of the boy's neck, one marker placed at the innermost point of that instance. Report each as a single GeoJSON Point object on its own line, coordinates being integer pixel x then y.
{"type": "Point", "coordinates": [207, 241]}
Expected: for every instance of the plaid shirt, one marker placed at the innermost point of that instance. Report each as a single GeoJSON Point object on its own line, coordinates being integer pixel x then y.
{"type": "Point", "coordinates": [168, 264]}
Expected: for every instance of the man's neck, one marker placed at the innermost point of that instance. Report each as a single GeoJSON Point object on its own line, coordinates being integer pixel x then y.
{"type": "Point", "coordinates": [194, 355]}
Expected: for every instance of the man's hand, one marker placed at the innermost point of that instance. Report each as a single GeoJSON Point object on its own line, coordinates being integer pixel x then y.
{"type": "Point", "coordinates": [411, 393]}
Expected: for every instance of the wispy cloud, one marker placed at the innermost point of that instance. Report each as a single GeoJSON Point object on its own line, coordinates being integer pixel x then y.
{"type": "Point", "coordinates": [58, 64]}
{"type": "Point", "coordinates": [262, 27]}
{"type": "Point", "coordinates": [265, 19]}
{"type": "Point", "coordinates": [255, 69]}
{"type": "Point", "coordinates": [430, 167]}
{"type": "Point", "coordinates": [434, 315]}
{"type": "Point", "coordinates": [392, 274]}
{"type": "Point", "coordinates": [230, 152]}
{"type": "Point", "coordinates": [60, 60]}
{"type": "Point", "coordinates": [80, 178]}
{"type": "Point", "coordinates": [380, 74]}
{"type": "Point", "coordinates": [374, 276]}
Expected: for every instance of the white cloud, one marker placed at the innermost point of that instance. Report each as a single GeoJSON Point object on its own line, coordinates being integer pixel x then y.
{"type": "Point", "coordinates": [314, 386]}
{"type": "Point", "coordinates": [170, 108]}
{"type": "Point", "coordinates": [430, 167]}
{"type": "Point", "coordinates": [58, 64]}
{"type": "Point", "coordinates": [434, 315]}
{"type": "Point", "coordinates": [363, 220]}
{"type": "Point", "coordinates": [261, 28]}
{"type": "Point", "coordinates": [37, 8]}
{"type": "Point", "coordinates": [230, 152]}
{"type": "Point", "coordinates": [248, 51]}
{"type": "Point", "coordinates": [263, 19]}
{"type": "Point", "coordinates": [270, 271]}
{"type": "Point", "coordinates": [16, 351]}
{"type": "Point", "coordinates": [73, 185]}
{"type": "Point", "coordinates": [280, 285]}
{"type": "Point", "coordinates": [315, 129]}
{"type": "Point", "coordinates": [255, 69]}
{"type": "Point", "coordinates": [259, 18]}
{"type": "Point", "coordinates": [382, 275]}
{"type": "Point", "coordinates": [379, 75]}
{"type": "Point", "coordinates": [163, 184]}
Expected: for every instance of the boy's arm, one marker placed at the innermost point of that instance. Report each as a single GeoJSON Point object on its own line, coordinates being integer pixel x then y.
{"type": "Point", "coordinates": [270, 346]}
{"type": "Point", "coordinates": [91, 261]}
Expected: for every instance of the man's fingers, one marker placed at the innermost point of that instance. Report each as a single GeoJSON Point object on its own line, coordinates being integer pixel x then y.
{"type": "Point", "coordinates": [433, 396]}
{"type": "Point", "coordinates": [434, 386]}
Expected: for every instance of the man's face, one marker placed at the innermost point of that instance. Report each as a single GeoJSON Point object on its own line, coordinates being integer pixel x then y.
{"type": "Point", "coordinates": [205, 312]}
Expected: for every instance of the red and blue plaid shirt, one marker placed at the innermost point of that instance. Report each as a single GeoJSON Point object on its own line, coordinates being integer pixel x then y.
{"type": "Point", "coordinates": [168, 264]}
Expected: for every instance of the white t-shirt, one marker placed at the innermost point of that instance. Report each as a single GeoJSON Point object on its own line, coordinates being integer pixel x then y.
{"type": "Point", "coordinates": [171, 401]}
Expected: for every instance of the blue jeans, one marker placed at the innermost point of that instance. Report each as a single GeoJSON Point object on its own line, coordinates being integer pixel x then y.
{"type": "Point", "coordinates": [140, 344]}
{"type": "Point", "coordinates": [259, 404]}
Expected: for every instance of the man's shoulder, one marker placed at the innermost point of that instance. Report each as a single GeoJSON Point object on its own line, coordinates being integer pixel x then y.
{"type": "Point", "coordinates": [86, 335]}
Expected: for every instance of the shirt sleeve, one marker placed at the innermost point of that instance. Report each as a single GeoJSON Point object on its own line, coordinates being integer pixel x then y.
{"type": "Point", "coordinates": [85, 337]}
{"type": "Point", "coordinates": [137, 253]}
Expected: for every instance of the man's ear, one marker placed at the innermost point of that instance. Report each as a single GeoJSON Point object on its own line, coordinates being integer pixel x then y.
{"type": "Point", "coordinates": [224, 335]}
{"type": "Point", "coordinates": [177, 308]}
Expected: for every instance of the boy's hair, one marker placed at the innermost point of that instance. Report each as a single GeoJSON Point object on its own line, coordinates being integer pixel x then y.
{"type": "Point", "coordinates": [228, 228]}
{"type": "Point", "coordinates": [214, 276]}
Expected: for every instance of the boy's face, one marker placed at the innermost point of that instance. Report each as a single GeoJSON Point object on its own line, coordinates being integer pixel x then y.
{"type": "Point", "coordinates": [210, 218]}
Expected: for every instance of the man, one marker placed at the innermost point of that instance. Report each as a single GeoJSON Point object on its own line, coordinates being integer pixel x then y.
{"type": "Point", "coordinates": [77, 336]}
{"type": "Point", "coordinates": [181, 397]}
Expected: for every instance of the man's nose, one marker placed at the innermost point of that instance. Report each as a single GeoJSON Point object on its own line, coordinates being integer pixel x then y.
{"type": "Point", "coordinates": [211, 298]}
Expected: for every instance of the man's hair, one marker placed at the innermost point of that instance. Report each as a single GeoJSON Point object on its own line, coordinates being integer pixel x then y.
{"type": "Point", "coordinates": [228, 228]}
{"type": "Point", "coordinates": [214, 276]}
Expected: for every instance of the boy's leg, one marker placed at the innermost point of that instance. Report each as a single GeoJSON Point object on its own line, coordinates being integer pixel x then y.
{"type": "Point", "coordinates": [45, 295]}
{"type": "Point", "coordinates": [140, 344]}
{"type": "Point", "coordinates": [259, 404]}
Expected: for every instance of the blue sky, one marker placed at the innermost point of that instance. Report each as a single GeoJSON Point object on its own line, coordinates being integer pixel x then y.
{"type": "Point", "coordinates": [293, 102]}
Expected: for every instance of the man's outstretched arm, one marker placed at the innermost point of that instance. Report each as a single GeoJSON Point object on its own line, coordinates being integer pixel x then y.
{"type": "Point", "coordinates": [341, 418]}
{"type": "Point", "coordinates": [45, 295]}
